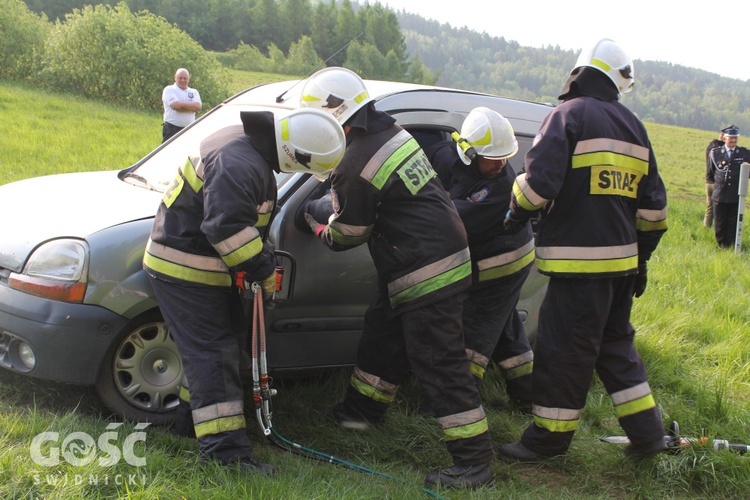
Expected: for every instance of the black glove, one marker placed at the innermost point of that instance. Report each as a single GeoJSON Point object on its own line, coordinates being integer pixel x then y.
{"type": "Point", "coordinates": [641, 280]}
{"type": "Point", "coordinates": [513, 224]}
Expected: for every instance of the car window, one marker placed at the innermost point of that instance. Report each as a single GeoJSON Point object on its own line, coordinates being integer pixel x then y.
{"type": "Point", "coordinates": [158, 169]}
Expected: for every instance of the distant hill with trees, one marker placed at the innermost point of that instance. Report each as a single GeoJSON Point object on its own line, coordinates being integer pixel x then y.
{"type": "Point", "coordinates": [665, 93]}
{"type": "Point", "coordinates": [295, 36]}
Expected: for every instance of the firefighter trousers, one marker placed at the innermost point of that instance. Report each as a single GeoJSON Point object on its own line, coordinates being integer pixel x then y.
{"type": "Point", "coordinates": [493, 330]}
{"type": "Point", "coordinates": [207, 324]}
{"type": "Point", "coordinates": [584, 326]}
{"type": "Point", "coordinates": [428, 340]}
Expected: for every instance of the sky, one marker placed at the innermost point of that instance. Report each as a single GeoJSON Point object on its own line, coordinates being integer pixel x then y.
{"type": "Point", "coordinates": [678, 32]}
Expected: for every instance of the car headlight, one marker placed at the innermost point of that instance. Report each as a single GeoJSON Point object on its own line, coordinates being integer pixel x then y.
{"type": "Point", "coordinates": [56, 270]}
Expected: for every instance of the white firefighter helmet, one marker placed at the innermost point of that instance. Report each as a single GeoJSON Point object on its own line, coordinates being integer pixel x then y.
{"type": "Point", "coordinates": [488, 133]}
{"type": "Point", "coordinates": [609, 58]}
{"type": "Point", "coordinates": [309, 141]}
{"type": "Point", "coordinates": [338, 91]}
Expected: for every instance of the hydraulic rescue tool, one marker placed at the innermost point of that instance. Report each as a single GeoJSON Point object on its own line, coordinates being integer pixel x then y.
{"type": "Point", "coordinates": [676, 442]}
{"type": "Point", "coordinates": [262, 391]}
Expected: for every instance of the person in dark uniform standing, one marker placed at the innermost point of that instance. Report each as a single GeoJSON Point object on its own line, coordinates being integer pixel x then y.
{"type": "Point", "coordinates": [211, 225]}
{"type": "Point", "coordinates": [592, 175]}
{"type": "Point", "coordinates": [708, 220]}
{"type": "Point", "coordinates": [385, 193]}
{"type": "Point", "coordinates": [723, 171]}
{"type": "Point", "coordinates": [475, 170]}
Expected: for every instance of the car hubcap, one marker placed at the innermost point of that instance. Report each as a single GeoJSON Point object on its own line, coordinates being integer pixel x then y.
{"type": "Point", "coordinates": [148, 368]}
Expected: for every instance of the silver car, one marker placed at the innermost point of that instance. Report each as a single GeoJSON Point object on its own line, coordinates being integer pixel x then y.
{"type": "Point", "coordinates": [76, 307]}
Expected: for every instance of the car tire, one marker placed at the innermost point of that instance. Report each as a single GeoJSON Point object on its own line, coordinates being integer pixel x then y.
{"type": "Point", "coordinates": [140, 377]}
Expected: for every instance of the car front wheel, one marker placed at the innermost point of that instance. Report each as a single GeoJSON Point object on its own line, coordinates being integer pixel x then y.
{"type": "Point", "coordinates": [140, 377]}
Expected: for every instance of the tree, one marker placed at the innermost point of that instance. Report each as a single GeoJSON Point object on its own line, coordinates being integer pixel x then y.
{"type": "Point", "coordinates": [347, 29]}
{"type": "Point", "coordinates": [109, 53]}
{"type": "Point", "coordinates": [323, 28]}
{"type": "Point", "coordinates": [267, 24]}
{"type": "Point", "coordinates": [302, 57]}
{"type": "Point", "coordinates": [295, 19]}
{"type": "Point", "coordinates": [22, 42]}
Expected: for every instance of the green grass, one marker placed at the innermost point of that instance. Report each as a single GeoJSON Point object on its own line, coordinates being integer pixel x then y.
{"type": "Point", "coordinates": [693, 332]}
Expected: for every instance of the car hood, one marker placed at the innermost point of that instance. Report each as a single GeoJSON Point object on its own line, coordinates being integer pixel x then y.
{"type": "Point", "coordinates": [66, 205]}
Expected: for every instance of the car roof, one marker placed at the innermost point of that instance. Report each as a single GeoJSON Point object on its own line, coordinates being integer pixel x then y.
{"type": "Point", "coordinates": [412, 103]}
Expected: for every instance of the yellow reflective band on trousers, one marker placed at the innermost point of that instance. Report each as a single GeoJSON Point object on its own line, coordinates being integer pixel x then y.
{"type": "Point", "coordinates": [556, 419]}
{"type": "Point", "coordinates": [219, 417]}
{"type": "Point", "coordinates": [224, 424]}
{"type": "Point", "coordinates": [633, 400]}
{"type": "Point", "coordinates": [635, 406]}
{"type": "Point", "coordinates": [646, 226]}
{"type": "Point", "coordinates": [464, 425]}
{"type": "Point", "coordinates": [556, 425]}
{"type": "Point", "coordinates": [185, 394]}
{"type": "Point", "coordinates": [432, 284]}
{"type": "Point", "coordinates": [477, 370]}
{"type": "Point", "coordinates": [519, 371]}
{"type": "Point", "coordinates": [477, 363]}
{"type": "Point", "coordinates": [371, 392]}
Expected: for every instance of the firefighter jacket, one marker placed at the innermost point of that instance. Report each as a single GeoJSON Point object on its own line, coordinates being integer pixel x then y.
{"type": "Point", "coordinates": [385, 193]}
{"type": "Point", "coordinates": [593, 176]}
{"type": "Point", "coordinates": [212, 218]}
{"type": "Point", "coordinates": [725, 173]}
{"type": "Point", "coordinates": [482, 203]}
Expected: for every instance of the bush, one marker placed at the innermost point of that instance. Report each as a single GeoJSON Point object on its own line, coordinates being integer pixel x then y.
{"type": "Point", "coordinates": [22, 40]}
{"type": "Point", "coordinates": [112, 54]}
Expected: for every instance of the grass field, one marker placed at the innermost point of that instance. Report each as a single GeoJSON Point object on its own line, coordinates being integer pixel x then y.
{"type": "Point", "coordinates": [693, 333]}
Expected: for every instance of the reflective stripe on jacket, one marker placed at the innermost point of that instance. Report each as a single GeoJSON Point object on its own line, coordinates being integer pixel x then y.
{"type": "Point", "coordinates": [212, 217]}
{"type": "Point", "coordinates": [386, 194]}
{"type": "Point", "coordinates": [482, 203]}
{"type": "Point", "coordinates": [603, 203]}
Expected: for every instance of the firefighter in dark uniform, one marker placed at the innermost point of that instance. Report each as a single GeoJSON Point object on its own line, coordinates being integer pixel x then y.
{"type": "Point", "coordinates": [708, 220]}
{"type": "Point", "coordinates": [475, 171]}
{"type": "Point", "coordinates": [723, 171]}
{"type": "Point", "coordinates": [210, 226]}
{"type": "Point", "coordinates": [386, 194]}
{"type": "Point", "coordinates": [592, 174]}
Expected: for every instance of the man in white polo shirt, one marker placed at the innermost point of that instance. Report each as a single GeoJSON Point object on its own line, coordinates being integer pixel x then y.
{"type": "Point", "coordinates": [180, 104]}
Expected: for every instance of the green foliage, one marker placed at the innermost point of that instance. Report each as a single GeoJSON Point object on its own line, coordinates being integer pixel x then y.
{"type": "Point", "coordinates": [22, 40]}
{"type": "Point", "coordinates": [693, 328]}
{"type": "Point", "coordinates": [112, 54]}
{"type": "Point", "coordinates": [302, 58]}
{"type": "Point", "coordinates": [664, 93]}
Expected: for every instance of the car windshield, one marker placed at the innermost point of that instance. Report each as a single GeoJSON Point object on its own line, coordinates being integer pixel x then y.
{"type": "Point", "coordinates": [157, 170]}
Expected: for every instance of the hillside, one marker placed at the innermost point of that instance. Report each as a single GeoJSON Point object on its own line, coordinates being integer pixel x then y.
{"type": "Point", "coordinates": [665, 93]}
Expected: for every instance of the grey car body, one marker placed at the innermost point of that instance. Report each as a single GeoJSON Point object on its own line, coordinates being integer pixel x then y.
{"type": "Point", "coordinates": [105, 328]}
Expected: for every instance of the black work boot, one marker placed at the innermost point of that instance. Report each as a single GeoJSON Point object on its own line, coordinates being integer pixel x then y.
{"type": "Point", "coordinates": [461, 476]}
{"type": "Point", "coordinates": [647, 450]}
{"type": "Point", "coordinates": [183, 422]}
{"type": "Point", "coordinates": [349, 419]}
{"type": "Point", "coordinates": [517, 452]}
{"type": "Point", "coordinates": [249, 464]}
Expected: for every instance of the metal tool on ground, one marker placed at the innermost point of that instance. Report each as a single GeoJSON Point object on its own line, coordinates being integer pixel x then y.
{"type": "Point", "coordinates": [676, 442]}
{"type": "Point", "coordinates": [262, 391]}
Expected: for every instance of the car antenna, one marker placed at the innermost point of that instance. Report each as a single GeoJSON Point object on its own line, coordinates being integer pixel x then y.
{"type": "Point", "coordinates": [280, 98]}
